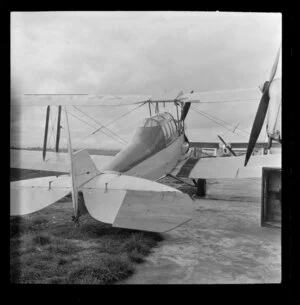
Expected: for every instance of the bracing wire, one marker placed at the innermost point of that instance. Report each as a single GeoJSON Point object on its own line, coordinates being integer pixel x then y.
{"type": "Point", "coordinates": [230, 101]}
{"type": "Point", "coordinates": [216, 118]}
{"type": "Point", "coordinates": [218, 123]}
{"type": "Point", "coordinates": [121, 116]}
{"type": "Point", "coordinates": [113, 121]}
{"type": "Point", "coordinates": [83, 121]}
{"type": "Point", "coordinates": [100, 124]}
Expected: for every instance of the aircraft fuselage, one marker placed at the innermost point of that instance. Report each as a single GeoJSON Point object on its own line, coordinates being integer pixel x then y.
{"type": "Point", "coordinates": [156, 148]}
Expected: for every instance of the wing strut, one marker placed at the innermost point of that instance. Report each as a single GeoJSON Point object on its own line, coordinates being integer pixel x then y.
{"type": "Point", "coordinates": [46, 132]}
{"type": "Point", "coordinates": [72, 173]}
{"type": "Point", "coordinates": [58, 129]}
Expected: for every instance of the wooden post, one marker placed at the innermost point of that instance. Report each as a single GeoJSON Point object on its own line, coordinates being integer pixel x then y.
{"type": "Point", "coordinates": [46, 132]}
{"type": "Point", "coordinates": [58, 129]}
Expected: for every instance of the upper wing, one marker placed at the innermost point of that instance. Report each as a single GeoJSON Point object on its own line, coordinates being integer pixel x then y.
{"type": "Point", "coordinates": [235, 95]}
{"type": "Point", "coordinates": [56, 162]}
{"type": "Point", "coordinates": [252, 94]}
{"type": "Point", "coordinates": [229, 167]}
{"type": "Point", "coordinates": [76, 99]}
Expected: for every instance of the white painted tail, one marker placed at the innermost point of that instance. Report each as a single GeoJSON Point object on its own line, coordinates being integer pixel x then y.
{"type": "Point", "coordinates": [135, 203]}
{"type": "Point", "coordinates": [83, 167]}
{"type": "Point", "coordinates": [83, 170]}
{"type": "Point", "coordinates": [31, 195]}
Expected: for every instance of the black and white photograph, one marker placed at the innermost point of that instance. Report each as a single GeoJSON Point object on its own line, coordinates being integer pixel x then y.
{"type": "Point", "coordinates": [145, 147]}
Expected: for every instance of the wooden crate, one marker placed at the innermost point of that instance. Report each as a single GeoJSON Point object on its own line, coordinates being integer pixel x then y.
{"type": "Point", "coordinates": [271, 197]}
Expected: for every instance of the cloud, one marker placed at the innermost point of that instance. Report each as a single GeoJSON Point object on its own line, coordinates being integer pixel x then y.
{"type": "Point", "coordinates": [144, 53]}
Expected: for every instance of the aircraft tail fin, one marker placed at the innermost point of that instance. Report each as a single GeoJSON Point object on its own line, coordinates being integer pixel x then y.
{"type": "Point", "coordinates": [84, 167]}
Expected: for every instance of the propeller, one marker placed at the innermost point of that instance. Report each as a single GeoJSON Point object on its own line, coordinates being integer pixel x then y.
{"type": "Point", "coordinates": [261, 111]}
{"type": "Point", "coordinates": [184, 113]}
{"type": "Point", "coordinates": [227, 146]}
{"type": "Point", "coordinates": [186, 107]}
{"type": "Point", "coordinates": [185, 110]}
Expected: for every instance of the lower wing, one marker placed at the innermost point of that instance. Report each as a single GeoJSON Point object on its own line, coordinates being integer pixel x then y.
{"type": "Point", "coordinates": [229, 167]}
{"type": "Point", "coordinates": [54, 162]}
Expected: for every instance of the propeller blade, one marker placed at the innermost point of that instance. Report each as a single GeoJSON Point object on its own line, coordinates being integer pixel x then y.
{"type": "Point", "coordinates": [231, 150]}
{"type": "Point", "coordinates": [262, 110]}
{"type": "Point", "coordinates": [258, 122]}
{"type": "Point", "coordinates": [227, 146]}
{"type": "Point", "coordinates": [185, 110]}
{"type": "Point", "coordinates": [186, 138]}
{"type": "Point", "coordinates": [222, 140]}
{"type": "Point", "coordinates": [275, 65]}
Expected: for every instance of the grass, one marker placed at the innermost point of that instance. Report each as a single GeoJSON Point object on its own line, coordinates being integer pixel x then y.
{"type": "Point", "coordinates": [46, 247]}
{"type": "Point", "coordinates": [50, 249]}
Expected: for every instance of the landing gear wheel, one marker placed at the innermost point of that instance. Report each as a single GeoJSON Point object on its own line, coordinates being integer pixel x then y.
{"type": "Point", "coordinates": [201, 187]}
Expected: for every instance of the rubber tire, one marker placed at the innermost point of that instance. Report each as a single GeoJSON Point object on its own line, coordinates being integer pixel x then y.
{"type": "Point", "coordinates": [201, 187]}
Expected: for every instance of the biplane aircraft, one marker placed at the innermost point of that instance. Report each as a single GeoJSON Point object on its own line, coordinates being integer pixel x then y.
{"type": "Point", "coordinates": [123, 190]}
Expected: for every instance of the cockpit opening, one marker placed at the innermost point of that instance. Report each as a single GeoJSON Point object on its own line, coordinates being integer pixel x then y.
{"type": "Point", "coordinates": [167, 123]}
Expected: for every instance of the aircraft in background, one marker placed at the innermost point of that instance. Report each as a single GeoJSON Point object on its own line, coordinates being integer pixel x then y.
{"type": "Point", "coordinates": [122, 190]}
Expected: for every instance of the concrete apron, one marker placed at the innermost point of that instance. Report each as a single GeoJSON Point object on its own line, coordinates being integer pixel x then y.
{"type": "Point", "coordinates": [223, 243]}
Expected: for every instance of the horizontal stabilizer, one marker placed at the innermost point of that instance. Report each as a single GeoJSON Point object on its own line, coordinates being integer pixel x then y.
{"type": "Point", "coordinates": [153, 211]}
{"type": "Point", "coordinates": [136, 203]}
{"type": "Point", "coordinates": [31, 195]}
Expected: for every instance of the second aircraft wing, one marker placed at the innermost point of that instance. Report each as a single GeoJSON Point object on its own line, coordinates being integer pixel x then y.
{"type": "Point", "coordinates": [227, 167]}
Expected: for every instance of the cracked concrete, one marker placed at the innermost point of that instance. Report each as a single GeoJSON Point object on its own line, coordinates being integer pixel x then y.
{"type": "Point", "coordinates": [223, 243]}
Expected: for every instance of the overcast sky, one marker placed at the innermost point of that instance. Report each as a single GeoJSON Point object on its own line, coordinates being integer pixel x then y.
{"type": "Point", "coordinates": [144, 53]}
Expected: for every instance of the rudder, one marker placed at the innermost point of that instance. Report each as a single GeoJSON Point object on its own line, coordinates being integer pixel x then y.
{"type": "Point", "coordinates": [83, 166]}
